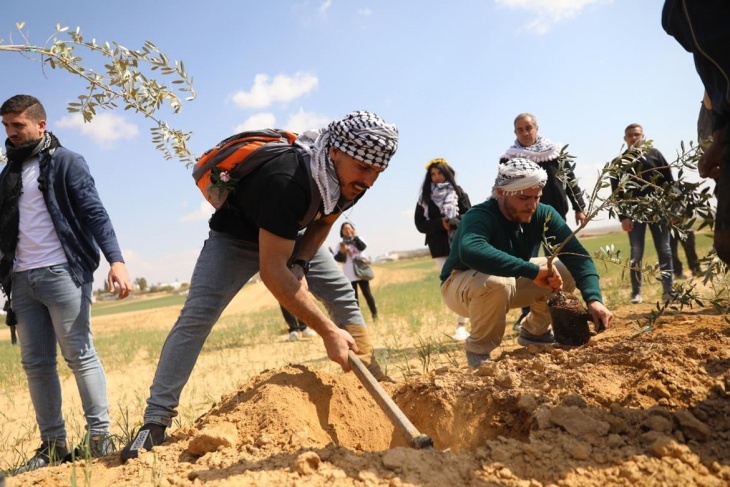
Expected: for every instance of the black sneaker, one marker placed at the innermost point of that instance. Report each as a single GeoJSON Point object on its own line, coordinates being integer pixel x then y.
{"type": "Point", "coordinates": [148, 436]}
{"type": "Point", "coordinates": [93, 446]}
{"type": "Point", "coordinates": [475, 360]}
{"type": "Point", "coordinates": [49, 453]}
{"type": "Point", "coordinates": [526, 338]}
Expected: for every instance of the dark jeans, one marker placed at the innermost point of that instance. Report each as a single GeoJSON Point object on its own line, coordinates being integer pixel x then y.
{"type": "Point", "coordinates": [292, 321]}
{"type": "Point", "coordinates": [689, 250]}
{"type": "Point", "coordinates": [365, 286]}
{"type": "Point", "coordinates": [660, 235]}
{"type": "Point", "coordinates": [224, 266]}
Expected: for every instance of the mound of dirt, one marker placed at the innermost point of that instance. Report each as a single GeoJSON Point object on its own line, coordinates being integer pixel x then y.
{"type": "Point", "coordinates": [651, 409]}
{"type": "Point", "coordinates": [295, 407]}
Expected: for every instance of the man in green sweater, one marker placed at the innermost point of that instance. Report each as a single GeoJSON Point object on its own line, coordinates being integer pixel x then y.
{"type": "Point", "coordinates": [489, 269]}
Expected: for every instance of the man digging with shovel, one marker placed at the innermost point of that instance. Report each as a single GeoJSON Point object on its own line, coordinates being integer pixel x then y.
{"type": "Point", "coordinates": [258, 230]}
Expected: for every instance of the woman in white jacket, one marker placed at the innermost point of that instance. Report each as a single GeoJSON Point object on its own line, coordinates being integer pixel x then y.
{"type": "Point", "coordinates": [351, 247]}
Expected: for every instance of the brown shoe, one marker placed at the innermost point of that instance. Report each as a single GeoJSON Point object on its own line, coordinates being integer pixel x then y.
{"type": "Point", "coordinates": [366, 352]}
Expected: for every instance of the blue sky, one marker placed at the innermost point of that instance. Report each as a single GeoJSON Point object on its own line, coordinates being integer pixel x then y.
{"type": "Point", "coordinates": [452, 76]}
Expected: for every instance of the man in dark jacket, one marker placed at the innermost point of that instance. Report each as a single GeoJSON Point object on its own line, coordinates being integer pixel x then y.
{"type": "Point", "coordinates": [490, 269]}
{"type": "Point", "coordinates": [701, 27]}
{"type": "Point", "coordinates": [647, 165]}
{"type": "Point", "coordinates": [259, 229]}
{"type": "Point", "coordinates": [536, 148]}
{"type": "Point", "coordinates": [52, 224]}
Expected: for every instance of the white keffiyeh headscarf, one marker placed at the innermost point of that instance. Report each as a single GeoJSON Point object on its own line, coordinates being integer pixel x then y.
{"type": "Point", "coordinates": [362, 135]}
{"type": "Point", "coordinates": [541, 151]}
{"type": "Point", "coordinates": [518, 174]}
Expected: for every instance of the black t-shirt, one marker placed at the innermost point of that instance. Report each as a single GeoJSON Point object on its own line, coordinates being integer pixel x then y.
{"type": "Point", "coordinates": [274, 197]}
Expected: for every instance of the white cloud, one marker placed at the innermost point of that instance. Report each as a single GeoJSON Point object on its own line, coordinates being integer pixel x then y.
{"type": "Point", "coordinates": [105, 128]}
{"type": "Point", "coordinates": [266, 91]}
{"type": "Point", "coordinates": [302, 121]}
{"type": "Point", "coordinates": [204, 211]}
{"type": "Point", "coordinates": [297, 122]}
{"type": "Point", "coordinates": [257, 122]}
{"type": "Point", "coordinates": [325, 6]}
{"type": "Point", "coordinates": [365, 12]}
{"type": "Point", "coordinates": [546, 13]}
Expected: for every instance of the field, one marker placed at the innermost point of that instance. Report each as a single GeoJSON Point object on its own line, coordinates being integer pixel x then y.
{"type": "Point", "coordinates": [629, 408]}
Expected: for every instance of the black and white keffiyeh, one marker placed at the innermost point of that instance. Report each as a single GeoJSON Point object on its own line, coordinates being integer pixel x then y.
{"type": "Point", "coordinates": [541, 151]}
{"type": "Point", "coordinates": [445, 197]}
{"type": "Point", "coordinates": [362, 135]}
{"type": "Point", "coordinates": [12, 188]}
{"type": "Point", "coordinates": [366, 137]}
{"type": "Point", "coordinates": [518, 174]}
{"type": "Point", "coordinates": [315, 142]}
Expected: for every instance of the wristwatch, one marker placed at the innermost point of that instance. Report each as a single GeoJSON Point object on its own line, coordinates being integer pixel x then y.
{"type": "Point", "coordinates": [304, 264]}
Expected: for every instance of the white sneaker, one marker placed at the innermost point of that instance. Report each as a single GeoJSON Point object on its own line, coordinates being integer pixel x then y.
{"type": "Point", "coordinates": [461, 334]}
{"type": "Point", "coordinates": [293, 336]}
{"type": "Point", "coordinates": [636, 298]}
{"type": "Point", "coordinates": [308, 333]}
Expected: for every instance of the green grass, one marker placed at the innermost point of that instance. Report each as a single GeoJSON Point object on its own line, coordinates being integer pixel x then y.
{"type": "Point", "coordinates": [102, 308]}
{"type": "Point", "coordinates": [421, 263]}
{"type": "Point", "coordinates": [11, 373]}
{"type": "Point", "coordinates": [411, 334]}
{"type": "Point", "coordinates": [417, 303]}
{"type": "Point", "coordinates": [620, 242]}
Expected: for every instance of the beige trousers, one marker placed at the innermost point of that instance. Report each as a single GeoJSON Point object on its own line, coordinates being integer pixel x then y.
{"type": "Point", "coordinates": [486, 300]}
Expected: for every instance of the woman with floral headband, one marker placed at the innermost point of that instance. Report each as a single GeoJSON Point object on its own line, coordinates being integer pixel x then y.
{"type": "Point", "coordinates": [440, 206]}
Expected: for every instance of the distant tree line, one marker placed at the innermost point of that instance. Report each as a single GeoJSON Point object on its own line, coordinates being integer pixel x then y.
{"type": "Point", "coordinates": [142, 287]}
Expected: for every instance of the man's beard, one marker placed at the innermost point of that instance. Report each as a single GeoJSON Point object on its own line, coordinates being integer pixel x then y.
{"type": "Point", "coordinates": [515, 216]}
{"type": "Point", "coordinates": [31, 144]}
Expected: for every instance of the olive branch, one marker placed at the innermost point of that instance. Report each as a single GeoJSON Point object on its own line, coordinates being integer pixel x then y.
{"type": "Point", "coordinates": [680, 205]}
{"type": "Point", "coordinates": [124, 78]}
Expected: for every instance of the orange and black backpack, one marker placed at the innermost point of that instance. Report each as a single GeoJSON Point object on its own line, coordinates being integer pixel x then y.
{"type": "Point", "coordinates": [219, 168]}
{"type": "Point", "coordinates": [217, 171]}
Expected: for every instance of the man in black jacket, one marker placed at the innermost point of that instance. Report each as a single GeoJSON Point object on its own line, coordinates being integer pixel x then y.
{"type": "Point", "coordinates": [536, 148]}
{"type": "Point", "coordinates": [702, 29]}
{"type": "Point", "coordinates": [647, 165]}
{"type": "Point", "coordinates": [546, 154]}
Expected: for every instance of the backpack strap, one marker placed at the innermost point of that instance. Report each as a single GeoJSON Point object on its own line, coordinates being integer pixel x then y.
{"type": "Point", "coordinates": [315, 200]}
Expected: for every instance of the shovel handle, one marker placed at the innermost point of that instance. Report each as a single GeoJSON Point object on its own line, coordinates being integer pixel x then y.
{"type": "Point", "coordinates": [389, 407]}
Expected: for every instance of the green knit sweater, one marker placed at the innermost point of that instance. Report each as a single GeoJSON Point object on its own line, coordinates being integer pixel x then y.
{"type": "Point", "coordinates": [489, 243]}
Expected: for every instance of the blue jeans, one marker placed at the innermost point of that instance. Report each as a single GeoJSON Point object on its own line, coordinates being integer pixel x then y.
{"type": "Point", "coordinates": [660, 234]}
{"type": "Point", "coordinates": [52, 308]}
{"type": "Point", "coordinates": [225, 264]}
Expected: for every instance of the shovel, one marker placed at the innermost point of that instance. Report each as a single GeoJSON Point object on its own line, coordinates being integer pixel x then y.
{"type": "Point", "coordinates": [389, 407]}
